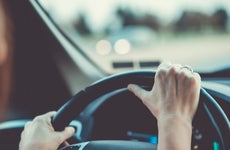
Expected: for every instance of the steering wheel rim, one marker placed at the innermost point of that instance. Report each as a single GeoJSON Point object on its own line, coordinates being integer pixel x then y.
{"type": "Point", "coordinates": [72, 108]}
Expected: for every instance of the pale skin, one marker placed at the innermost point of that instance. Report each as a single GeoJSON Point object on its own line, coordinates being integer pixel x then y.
{"type": "Point", "coordinates": [40, 134]}
{"type": "Point", "coordinates": [173, 100]}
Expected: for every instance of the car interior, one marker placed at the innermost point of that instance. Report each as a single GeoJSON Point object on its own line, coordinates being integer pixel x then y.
{"type": "Point", "coordinates": [78, 56]}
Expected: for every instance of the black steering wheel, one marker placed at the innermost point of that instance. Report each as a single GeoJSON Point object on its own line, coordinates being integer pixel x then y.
{"type": "Point", "coordinates": [71, 109]}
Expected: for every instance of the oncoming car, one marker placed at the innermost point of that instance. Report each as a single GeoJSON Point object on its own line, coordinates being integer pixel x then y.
{"type": "Point", "coordinates": [63, 48]}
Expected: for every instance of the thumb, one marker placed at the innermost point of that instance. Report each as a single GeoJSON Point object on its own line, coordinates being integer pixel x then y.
{"type": "Point", "coordinates": [66, 133]}
{"type": "Point", "coordinates": [138, 91]}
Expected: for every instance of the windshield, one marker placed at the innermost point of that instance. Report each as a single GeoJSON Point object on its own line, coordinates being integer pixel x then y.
{"type": "Point", "coordinates": [121, 35]}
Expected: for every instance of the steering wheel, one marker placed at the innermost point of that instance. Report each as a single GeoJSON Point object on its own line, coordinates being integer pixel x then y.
{"type": "Point", "coordinates": [72, 108]}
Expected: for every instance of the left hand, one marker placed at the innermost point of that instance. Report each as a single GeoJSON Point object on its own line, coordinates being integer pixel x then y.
{"type": "Point", "coordinates": [40, 134]}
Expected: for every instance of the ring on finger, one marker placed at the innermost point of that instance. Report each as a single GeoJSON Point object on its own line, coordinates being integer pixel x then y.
{"type": "Point", "coordinates": [187, 67]}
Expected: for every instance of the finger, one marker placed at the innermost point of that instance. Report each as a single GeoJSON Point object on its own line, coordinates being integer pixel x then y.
{"type": "Point", "coordinates": [197, 77]}
{"type": "Point", "coordinates": [178, 66]}
{"type": "Point", "coordinates": [187, 70]}
{"type": "Point", "coordinates": [184, 73]}
{"type": "Point", "coordinates": [139, 92]}
{"type": "Point", "coordinates": [50, 114]}
{"type": "Point", "coordinates": [65, 143]}
{"type": "Point", "coordinates": [197, 82]}
{"type": "Point", "coordinates": [46, 115]}
{"type": "Point", "coordinates": [164, 65]}
{"type": "Point", "coordinates": [44, 119]}
{"type": "Point", "coordinates": [183, 78]}
{"type": "Point", "coordinates": [163, 70]}
{"type": "Point", "coordinates": [27, 124]}
{"type": "Point", "coordinates": [172, 81]}
{"type": "Point", "coordinates": [22, 134]}
{"type": "Point", "coordinates": [66, 133]}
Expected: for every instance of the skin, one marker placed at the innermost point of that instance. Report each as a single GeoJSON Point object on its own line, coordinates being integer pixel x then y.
{"type": "Point", "coordinates": [5, 57]}
{"type": "Point", "coordinates": [173, 100]}
{"type": "Point", "coordinates": [40, 134]}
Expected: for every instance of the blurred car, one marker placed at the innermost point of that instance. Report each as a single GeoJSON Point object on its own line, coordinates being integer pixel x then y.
{"type": "Point", "coordinates": [62, 47]}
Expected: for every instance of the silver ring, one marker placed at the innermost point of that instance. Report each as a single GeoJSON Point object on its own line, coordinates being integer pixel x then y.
{"type": "Point", "coordinates": [187, 67]}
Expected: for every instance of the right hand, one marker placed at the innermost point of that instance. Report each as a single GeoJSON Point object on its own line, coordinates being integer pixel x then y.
{"type": "Point", "coordinates": [174, 95]}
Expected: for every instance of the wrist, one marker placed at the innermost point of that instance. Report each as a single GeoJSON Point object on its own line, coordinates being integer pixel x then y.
{"type": "Point", "coordinates": [36, 146]}
{"type": "Point", "coordinates": [174, 120]}
{"type": "Point", "coordinates": [176, 130]}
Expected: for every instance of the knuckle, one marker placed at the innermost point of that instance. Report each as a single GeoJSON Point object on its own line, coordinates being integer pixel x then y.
{"type": "Point", "coordinates": [181, 75]}
{"type": "Point", "coordinates": [189, 83]}
{"type": "Point", "coordinates": [197, 76]}
{"type": "Point", "coordinates": [27, 124]}
{"type": "Point", "coordinates": [38, 119]}
{"type": "Point", "coordinates": [194, 81]}
{"type": "Point", "coordinates": [161, 73]}
{"type": "Point", "coordinates": [173, 70]}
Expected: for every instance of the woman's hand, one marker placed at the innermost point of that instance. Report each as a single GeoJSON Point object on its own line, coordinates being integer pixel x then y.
{"type": "Point", "coordinates": [173, 100]}
{"type": "Point", "coordinates": [40, 134]}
